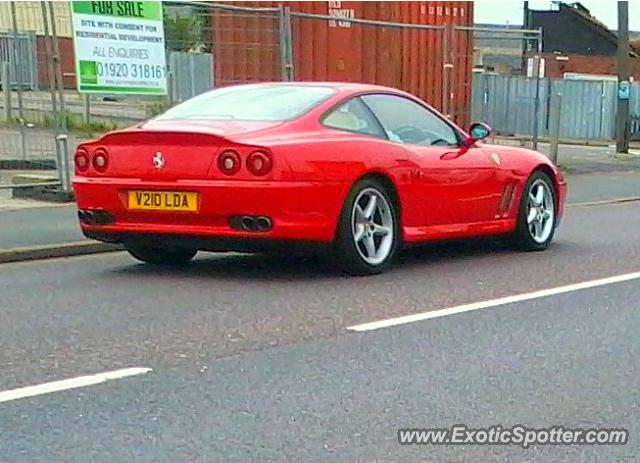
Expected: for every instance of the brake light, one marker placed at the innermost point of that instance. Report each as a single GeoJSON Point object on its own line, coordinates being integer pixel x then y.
{"type": "Point", "coordinates": [259, 163]}
{"type": "Point", "coordinates": [81, 160]}
{"type": "Point", "coordinates": [100, 160]}
{"type": "Point", "coordinates": [229, 162]}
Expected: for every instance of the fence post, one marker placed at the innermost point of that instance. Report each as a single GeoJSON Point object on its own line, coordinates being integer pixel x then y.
{"type": "Point", "coordinates": [447, 66]}
{"type": "Point", "coordinates": [6, 89]}
{"type": "Point", "coordinates": [87, 108]}
{"type": "Point", "coordinates": [286, 45]}
{"type": "Point", "coordinates": [170, 89]}
{"type": "Point", "coordinates": [536, 103]}
{"type": "Point", "coordinates": [192, 78]}
{"type": "Point", "coordinates": [18, 69]}
{"type": "Point", "coordinates": [63, 162]}
{"type": "Point", "coordinates": [555, 118]}
{"type": "Point", "coordinates": [58, 67]}
{"type": "Point", "coordinates": [50, 73]}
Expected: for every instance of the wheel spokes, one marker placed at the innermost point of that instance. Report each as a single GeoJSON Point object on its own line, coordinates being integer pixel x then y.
{"type": "Point", "coordinates": [370, 246]}
{"type": "Point", "coordinates": [372, 226]}
{"type": "Point", "coordinates": [370, 209]}
{"type": "Point", "coordinates": [537, 225]}
{"type": "Point", "coordinates": [540, 195]}
{"type": "Point", "coordinates": [381, 230]}
{"type": "Point", "coordinates": [359, 232]}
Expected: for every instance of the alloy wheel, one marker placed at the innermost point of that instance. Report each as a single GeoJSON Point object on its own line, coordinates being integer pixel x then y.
{"type": "Point", "coordinates": [372, 226]}
{"type": "Point", "coordinates": [540, 211]}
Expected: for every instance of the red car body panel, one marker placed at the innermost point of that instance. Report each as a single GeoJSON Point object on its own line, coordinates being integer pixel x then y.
{"type": "Point", "coordinates": [441, 193]}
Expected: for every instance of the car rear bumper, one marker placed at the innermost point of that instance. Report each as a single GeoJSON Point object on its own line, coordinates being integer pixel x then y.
{"type": "Point", "coordinates": [305, 211]}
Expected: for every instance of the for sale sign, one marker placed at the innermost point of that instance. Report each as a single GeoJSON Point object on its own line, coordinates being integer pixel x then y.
{"type": "Point", "coordinates": [119, 47]}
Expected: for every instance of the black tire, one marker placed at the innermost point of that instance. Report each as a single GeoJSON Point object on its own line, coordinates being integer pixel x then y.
{"type": "Point", "coordinates": [161, 256]}
{"type": "Point", "coordinates": [522, 238]}
{"type": "Point", "coordinates": [345, 253]}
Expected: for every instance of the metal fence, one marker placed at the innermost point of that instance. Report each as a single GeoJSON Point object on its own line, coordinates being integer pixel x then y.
{"type": "Point", "coordinates": [190, 74]}
{"type": "Point", "coordinates": [508, 104]}
{"type": "Point", "coordinates": [19, 50]}
{"type": "Point", "coordinates": [495, 49]}
{"type": "Point", "coordinates": [31, 156]}
{"type": "Point", "coordinates": [224, 44]}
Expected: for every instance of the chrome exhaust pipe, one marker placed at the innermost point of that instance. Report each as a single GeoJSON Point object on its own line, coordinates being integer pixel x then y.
{"type": "Point", "coordinates": [248, 223]}
{"type": "Point", "coordinates": [263, 224]}
{"type": "Point", "coordinates": [89, 217]}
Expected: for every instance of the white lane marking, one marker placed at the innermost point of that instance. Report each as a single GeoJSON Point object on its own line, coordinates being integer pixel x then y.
{"type": "Point", "coordinates": [604, 202]}
{"type": "Point", "coordinates": [493, 302]}
{"type": "Point", "coordinates": [71, 383]}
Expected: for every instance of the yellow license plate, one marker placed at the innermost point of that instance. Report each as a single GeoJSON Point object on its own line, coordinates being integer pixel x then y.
{"type": "Point", "coordinates": [163, 201]}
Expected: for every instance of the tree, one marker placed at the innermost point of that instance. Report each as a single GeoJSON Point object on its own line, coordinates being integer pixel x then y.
{"type": "Point", "coordinates": [183, 31]}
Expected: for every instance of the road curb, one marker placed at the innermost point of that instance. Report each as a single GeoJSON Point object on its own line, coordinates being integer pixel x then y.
{"type": "Point", "coordinates": [604, 202]}
{"type": "Point", "coordinates": [50, 251]}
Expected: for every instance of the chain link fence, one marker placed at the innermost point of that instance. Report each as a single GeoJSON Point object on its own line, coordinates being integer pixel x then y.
{"type": "Point", "coordinates": [212, 45]}
{"type": "Point", "coordinates": [507, 85]}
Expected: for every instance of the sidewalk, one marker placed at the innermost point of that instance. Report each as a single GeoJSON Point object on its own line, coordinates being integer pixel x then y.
{"type": "Point", "coordinates": [585, 159]}
{"type": "Point", "coordinates": [37, 230]}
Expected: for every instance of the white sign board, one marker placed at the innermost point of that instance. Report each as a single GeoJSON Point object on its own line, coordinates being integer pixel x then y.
{"type": "Point", "coordinates": [119, 47]}
{"type": "Point", "coordinates": [532, 64]}
{"type": "Point", "coordinates": [336, 11]}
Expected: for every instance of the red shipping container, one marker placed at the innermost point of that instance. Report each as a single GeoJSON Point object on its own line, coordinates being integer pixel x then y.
{"type": "Point", "coordinates": [246, 47]}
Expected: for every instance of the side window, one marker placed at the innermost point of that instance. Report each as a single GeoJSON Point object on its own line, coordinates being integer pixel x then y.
{"type": "Point", "coordinates": [408, 122]}
{"type": "Point", "coordinates": [353, 116]}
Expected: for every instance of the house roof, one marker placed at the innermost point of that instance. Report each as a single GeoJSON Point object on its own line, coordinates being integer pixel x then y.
{"type": "Point", "coordinates": [584, 15]}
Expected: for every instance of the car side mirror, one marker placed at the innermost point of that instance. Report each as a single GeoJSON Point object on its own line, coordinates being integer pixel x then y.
{"type": "Point", "coordinates": [477, 132]}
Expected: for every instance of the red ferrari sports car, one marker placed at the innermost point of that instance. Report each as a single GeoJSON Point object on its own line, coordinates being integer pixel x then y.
{"type": "Point", "coordinates": [358, 169]}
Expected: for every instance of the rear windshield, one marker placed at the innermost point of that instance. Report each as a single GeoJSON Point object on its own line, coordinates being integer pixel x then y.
{"type": "Point", "coordinates": [251, 103]}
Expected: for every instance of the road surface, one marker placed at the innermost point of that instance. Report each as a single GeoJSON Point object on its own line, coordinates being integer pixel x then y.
{"type": "Point", "coordinates": [252, 358]}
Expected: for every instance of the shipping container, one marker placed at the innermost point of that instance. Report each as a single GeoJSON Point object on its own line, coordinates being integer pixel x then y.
{"type": "Point", "coordinates": [434, 64]}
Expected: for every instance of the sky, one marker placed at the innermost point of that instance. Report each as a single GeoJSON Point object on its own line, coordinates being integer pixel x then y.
{"type": "Point", "coordinates": [511, 11]}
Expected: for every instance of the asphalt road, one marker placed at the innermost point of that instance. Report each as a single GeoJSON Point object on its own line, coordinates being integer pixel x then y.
{"type": "Point", "coordinates": [252, 360]}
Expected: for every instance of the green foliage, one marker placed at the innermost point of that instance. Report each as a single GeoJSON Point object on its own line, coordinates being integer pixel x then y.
{"type": "Point", "coordinates": [73, 123]}
{"type": "Point", "coordinates": [184, 32]}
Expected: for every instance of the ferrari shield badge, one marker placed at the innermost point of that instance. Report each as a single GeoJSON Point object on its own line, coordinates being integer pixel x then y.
{"type": "Point", "coordinates": [495, 158]}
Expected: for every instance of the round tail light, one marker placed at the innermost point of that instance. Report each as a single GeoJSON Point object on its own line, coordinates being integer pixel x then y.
{"type": "Point", "coordinates": [259, 163]}
{"type": "Point", "coordinates": [100, 160]}
{"type": "Point", "coordinates": [229, 162]}
{"type": "Point", "coordinates": [81, 160]}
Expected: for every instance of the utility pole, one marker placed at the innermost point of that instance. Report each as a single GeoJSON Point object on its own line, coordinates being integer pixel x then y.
{"type": "Point", "coordinates": [51, 77]}
{"type": "Point", "coordinates": [17, 60]}
{"type": "Point", "coordinates": [622, 115]}
{"type": "Point", "coordinates": [58, 66]}
{"type": "Point", "coordinates": [525, 25]}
